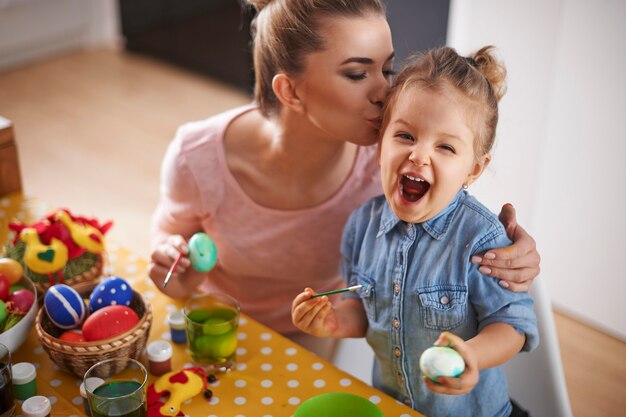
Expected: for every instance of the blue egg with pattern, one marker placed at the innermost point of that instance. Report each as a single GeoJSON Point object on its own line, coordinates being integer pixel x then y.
{"type": "Point", "coordinates": [113, 291]}
{"type": "Point", "coordinates": [65, 306]}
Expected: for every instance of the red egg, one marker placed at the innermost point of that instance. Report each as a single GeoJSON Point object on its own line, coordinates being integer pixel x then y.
{"type": "Point", "coordinates": [109, 322]}
{"type": "Point", "coordinates": [4, 287]}
{"type": "Point", "coordinates": [22, 300]}
{"type": "Point", "coordinates": [74, 336]}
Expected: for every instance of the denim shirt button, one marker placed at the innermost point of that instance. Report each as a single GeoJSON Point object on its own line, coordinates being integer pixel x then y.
{"type": "Point", "coordinates": [397, 352]}
{"type": "Point", "coordinates": [444, 299]}
{"type": "Point", "coordinates": [407, 401]}
{"type": "Point", "coordinates": [396, 323]}
{"type": "Point", "coordinates": [396, 288]}
{"type": "Point", "coordinates": [399, 377]}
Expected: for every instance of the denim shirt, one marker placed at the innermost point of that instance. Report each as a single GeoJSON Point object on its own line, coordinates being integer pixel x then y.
{"type": "Point", "coordinates": [417, 282]}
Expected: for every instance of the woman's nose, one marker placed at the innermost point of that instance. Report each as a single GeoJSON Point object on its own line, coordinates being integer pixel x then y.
{"type": "Point", "coordinates": [379, 91]}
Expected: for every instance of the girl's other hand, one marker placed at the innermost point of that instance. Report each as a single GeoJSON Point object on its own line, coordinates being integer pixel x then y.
{"type": "Point", "coordinates": [315, 316]}
{"type": "Point", "coordinates": [467, 380]}
{"type": "Point", "coordinates": [165, 255]}
{"type": "Point", "coordinates": [516, 265]}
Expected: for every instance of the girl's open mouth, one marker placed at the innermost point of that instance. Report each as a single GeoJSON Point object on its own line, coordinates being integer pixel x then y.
{"type": "Point", "coordinates": [412, 189]}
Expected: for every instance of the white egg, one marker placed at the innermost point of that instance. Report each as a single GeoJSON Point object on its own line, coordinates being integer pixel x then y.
{"type": "Point", "coordinates": [439, 361]}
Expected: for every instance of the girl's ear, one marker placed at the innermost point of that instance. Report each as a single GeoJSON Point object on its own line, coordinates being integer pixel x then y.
{"type": "Point", "coordinates": [478, 169]}
{"type": "Point", "coordinates": [284, 88]}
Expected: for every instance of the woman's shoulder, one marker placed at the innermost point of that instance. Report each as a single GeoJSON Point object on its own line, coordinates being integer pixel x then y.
{"type": "Point", "coordinates": [207, 132]}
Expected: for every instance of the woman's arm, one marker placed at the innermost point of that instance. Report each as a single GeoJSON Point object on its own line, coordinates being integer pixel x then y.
{"type": "Point", "coordinates": [516, 265]}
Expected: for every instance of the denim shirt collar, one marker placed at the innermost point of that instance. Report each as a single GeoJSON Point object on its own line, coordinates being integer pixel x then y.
{"type": "Point", "coordinates": [437, 227]}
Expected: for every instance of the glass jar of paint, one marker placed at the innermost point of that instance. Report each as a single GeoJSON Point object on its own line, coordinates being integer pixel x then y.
{"type": "Point", "coordinates": [160, 357]}
{"type": "Point", "coordinates": [176, 321]}
{"type": "Point", "coordinates": [37, 406]}
{"type": "Point", "coordinates": [24, 380]}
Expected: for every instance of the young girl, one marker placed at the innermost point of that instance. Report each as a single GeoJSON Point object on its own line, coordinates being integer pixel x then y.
{"type": "Point", "coordinates": [274, 182]}
{"type": "Point", "coordinates": [410, 249]}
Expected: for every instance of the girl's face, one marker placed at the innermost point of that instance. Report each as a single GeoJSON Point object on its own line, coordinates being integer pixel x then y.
{"type": "Point", "coordinates": [427, 152]}
{"type": "Point", "coordinates": [342, 87]}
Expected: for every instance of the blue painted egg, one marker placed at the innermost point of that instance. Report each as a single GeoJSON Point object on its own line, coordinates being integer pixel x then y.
{"type": "Point", "coordinates": [65, 306]}
{"type": "Point", "coordinates": [113, 291]}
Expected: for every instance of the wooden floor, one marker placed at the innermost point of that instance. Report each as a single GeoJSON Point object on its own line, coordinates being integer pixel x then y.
{"type": "Point", "coordinates": [92, 127]}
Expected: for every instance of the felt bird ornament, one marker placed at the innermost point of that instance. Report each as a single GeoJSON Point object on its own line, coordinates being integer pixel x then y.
{"type": "Point", "coordinates": [44, 259]}
{"type": "Point", "coordinates": [84, 235]}
{"type": "Point", "coordinates": [181, 386]}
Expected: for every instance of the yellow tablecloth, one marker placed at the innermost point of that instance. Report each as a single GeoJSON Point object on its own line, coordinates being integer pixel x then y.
{"type": "Point", "coordinates": [273, 375]}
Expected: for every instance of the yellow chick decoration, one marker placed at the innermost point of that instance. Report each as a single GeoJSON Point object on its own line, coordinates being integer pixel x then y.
{"type": "Point", "coordinates": [84, 235]}
{"type": "Point", "coordinates": [44, 259]}
{"type": "Point", "coordinates": [180, 385]}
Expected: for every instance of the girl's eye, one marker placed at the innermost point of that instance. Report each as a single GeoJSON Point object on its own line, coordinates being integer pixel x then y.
{"type": "Point", "coordinates": [356, 76]}
{"type": "Point", "coordinates": [405, 136]}
{"type": "Point", "coordinates": [448, 148]}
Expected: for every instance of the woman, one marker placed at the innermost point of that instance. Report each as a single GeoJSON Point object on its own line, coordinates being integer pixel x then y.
{"type": "Point", "coordinates": [274, 182]}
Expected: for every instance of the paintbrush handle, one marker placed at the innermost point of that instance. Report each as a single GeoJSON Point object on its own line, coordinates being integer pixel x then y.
{"type": "Point", "coordinates": [353, 288]}
{"type": "Point", "coordinates": [172, 268]}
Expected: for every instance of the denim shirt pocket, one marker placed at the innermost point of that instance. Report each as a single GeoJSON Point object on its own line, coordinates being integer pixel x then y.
{"type": "Point", "coordinates": [443, 307]}
{"type": "Point", "coordinates": [367, 293]}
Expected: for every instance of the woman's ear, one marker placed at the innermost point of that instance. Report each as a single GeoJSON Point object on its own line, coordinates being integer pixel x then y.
{"type": "Point", "coordinates": [285, 90]}
{"type": "Point", "coordinates": [478, 168]}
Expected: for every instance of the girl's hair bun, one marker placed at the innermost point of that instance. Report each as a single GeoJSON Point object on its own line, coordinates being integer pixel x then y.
{"type": "Point", "coordinates": [491, 69]}
{"type": "Point", "coordinates": [258, 4]}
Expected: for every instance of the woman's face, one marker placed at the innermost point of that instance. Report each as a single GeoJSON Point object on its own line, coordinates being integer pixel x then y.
{"type": "Point", "coordinates": [342, 87]}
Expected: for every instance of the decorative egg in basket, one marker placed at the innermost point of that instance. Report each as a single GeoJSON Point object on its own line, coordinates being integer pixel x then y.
{"type": "Point", "coordinates": [65, 306]}
{"type": "Point", "coordinates": [76, 356]}
{"type": "Point", "coordinates": [110, 292]}
{"type": "Point", "coordinates": [109, 322]}
{"type": "Point", "coordinates": [17, 334]}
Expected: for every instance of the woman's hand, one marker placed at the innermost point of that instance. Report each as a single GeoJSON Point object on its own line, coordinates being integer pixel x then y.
{"type": "Point", "coordinates": [516, 265]}
{"type": "Point", "coordinates": [164, 256]}
{"type": "Point", "coordinates": [467, 380]}
{"type": "Point", "coordinates": [315, 316]}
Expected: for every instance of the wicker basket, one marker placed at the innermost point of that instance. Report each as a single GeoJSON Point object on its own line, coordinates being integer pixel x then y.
{"type": "Point", "coordinates": [77, 358]}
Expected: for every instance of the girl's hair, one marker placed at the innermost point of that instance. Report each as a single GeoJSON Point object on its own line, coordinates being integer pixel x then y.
{"type": "Point", "coordinates": [479, 77]}
{"type": "Point", "coordinates": [285, 31]}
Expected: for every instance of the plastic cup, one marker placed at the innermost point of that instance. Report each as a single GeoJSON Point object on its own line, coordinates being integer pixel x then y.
{"type": "Point", "coordinates": [212, 321]}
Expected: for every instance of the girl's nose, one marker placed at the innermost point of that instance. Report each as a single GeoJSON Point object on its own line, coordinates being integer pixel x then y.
{"type": "Point", "coordinates": [419, 158]}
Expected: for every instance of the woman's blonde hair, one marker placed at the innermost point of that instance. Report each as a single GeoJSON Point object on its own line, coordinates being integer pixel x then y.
{"type": "Point", "coordinates": [285, 31]}
{"type": "Point", "coordinates": [479, 77]}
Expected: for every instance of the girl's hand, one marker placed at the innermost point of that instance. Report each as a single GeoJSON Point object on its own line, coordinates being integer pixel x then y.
{"type": "Point", "coordinates": [164, 256]}
{"type": "Point", "coordinates": [468, 379]}
{"type": "Point", "coordinates": [315, 316]}
{"type": "Point", "coordinates": [516, 265]}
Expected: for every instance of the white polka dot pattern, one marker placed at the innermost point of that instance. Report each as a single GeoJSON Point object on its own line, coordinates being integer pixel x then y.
{"type": "Point", "coordinates": [272, 377]}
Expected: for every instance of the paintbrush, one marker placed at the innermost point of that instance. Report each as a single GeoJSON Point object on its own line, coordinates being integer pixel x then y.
{"type": "Point", "coordinates": [172, 268]}
{"type": "Point", "coordinates": [353, 288]}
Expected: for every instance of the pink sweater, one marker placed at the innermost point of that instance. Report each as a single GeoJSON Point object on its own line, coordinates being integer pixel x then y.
{"type": "Point", "coordinates": [265, 256]}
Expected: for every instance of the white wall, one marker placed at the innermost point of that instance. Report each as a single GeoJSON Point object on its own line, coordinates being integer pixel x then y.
{"type": "Point", "coordinates": [561, 140]}
{"type": "Point", "coordinates": [34, 29]}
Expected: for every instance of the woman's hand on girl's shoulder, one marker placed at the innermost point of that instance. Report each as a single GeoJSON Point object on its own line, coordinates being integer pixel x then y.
{"type": "Point", "coordinates": [516, 265]}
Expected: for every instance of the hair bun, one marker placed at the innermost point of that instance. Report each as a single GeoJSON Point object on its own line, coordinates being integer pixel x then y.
{"type": "Point", "coordinates": [258, 4]}
{"type": "Point", "coordinates": [493, 70]}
